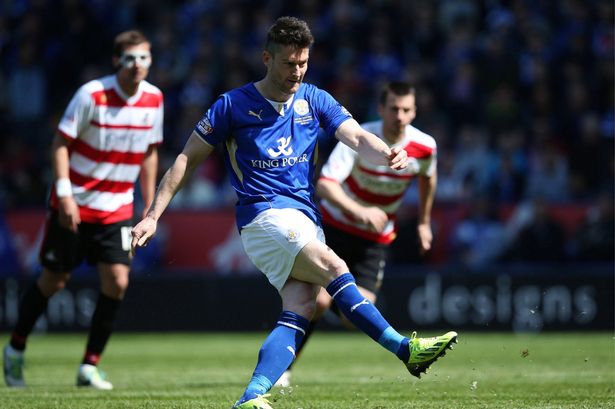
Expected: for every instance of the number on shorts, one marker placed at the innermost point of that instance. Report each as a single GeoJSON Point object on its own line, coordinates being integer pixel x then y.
{"type": "Point", "coordinates": [126, 237]}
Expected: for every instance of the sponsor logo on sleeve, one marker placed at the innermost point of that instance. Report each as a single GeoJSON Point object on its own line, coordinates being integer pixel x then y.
{"type": "Point", "coordinates": [204, 126]}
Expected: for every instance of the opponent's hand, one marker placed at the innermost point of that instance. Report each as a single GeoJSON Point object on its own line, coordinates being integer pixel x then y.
{"type": "Point", "coordinates": [68, 213]}
{"type": "Point", "coordinates": [425, 237]}
{"type": "Point", "coordinates": [142, 233]}
{"type": "Point", "coordinates": [375, 218]}
{"type": "Point", "coordinates": [398, 158]}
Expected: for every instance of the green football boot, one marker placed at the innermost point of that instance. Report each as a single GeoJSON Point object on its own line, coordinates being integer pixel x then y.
{"type": "Point", "coordinates": [260, 402]}
{"type": "Point", "coordinates": [425, 351]}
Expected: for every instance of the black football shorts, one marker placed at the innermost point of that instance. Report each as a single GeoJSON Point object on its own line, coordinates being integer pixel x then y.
{"type": "Point", "coordinates": [62, 250]}
{"type": "Point", "coordinates": [366, 259]}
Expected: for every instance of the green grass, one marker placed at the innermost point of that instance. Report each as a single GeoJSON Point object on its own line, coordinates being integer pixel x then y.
{"type": "Point", "coordinates": [337, 371]}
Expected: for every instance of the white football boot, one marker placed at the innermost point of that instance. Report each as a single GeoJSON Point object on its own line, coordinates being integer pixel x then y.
{"type": "Point", "coordinates": [91, 376]}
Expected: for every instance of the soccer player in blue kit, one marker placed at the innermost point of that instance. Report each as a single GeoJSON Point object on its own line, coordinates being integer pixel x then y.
{"type": "Point", "coordinates": [269, 129]}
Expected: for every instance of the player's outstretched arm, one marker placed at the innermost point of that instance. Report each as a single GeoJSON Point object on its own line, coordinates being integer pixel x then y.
{"type": "Point", "coordinates": [370, 147]}
{"type": "Point", "coordinates": [68, 210]}
{"type": "Point", "coordinates": [427, 190]}
{"type": "Point", "coordinates": [149, 169]}
{"type": "Point", "coordinates": [195, 152]}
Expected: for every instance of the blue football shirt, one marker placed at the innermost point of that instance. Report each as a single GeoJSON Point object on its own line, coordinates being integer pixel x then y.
{"type": "Point", "coordinates": [270, 156]}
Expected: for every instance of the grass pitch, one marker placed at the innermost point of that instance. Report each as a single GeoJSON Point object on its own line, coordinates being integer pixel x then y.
{"type": "Point", "coordinates": [337, 371]}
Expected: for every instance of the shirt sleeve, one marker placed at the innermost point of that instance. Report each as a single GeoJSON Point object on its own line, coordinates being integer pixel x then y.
{"type": "Point", "coordinates": [77, 115]}
{"type": "Point", "coordinates": [339, 164]}
{"type": "Point", "coordinates": [215, 125]}
{"type": "Point", "coordinates": [330, 113]}
{"type": "Point", "coordinates": [157, 130]}
{"type": "Point", "coordinates": [427, 166]}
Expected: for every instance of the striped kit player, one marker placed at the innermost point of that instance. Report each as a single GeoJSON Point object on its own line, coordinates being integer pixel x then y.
{"type": "Point", "coordinates": [376, 186]}
{"type": "Point", "coordinates": [111, 133]}
{"type": "Point", "coordinates": [107, 138]}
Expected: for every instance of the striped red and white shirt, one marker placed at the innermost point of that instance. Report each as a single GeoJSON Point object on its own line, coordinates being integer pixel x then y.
{"type": "Point", "coordinates": [373, 185]}
{"type": "Point", "coordinates": [110, 133]}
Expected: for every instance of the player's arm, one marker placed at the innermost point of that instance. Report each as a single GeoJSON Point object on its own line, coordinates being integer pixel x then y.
{"type": "Point", "coordinates": [369, 146]}
{"type": "Point", "coordinates": [333, 192]}
{"type": "Point", "coordinates": [195, 152]}
{"type": "Point", "coordinates": [427, 189]}
{"type": "Point", "coordinates": [68, 211]}
{"type": "Point", "coordinates": [149, 169]}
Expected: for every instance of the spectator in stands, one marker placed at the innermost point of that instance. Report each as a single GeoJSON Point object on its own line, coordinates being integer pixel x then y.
{"type": "Point", "coordinates": [457, 52]}
{"type": "Point", "coordinates": [543, 239]}
{"type": "Point", "coordinates": [590, 162]}
{"type": "Point", "coordinates": [507, 168]}
{"type": "Point", "coordinates": [479, 238]}
{"type": "Point", "coordinates": [594, 239]}
{"type": "Point", "coordinates": [548, 172]}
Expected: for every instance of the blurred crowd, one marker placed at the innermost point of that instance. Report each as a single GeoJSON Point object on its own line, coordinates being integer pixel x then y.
{"type": "Point", "coordinates": [518, 94]}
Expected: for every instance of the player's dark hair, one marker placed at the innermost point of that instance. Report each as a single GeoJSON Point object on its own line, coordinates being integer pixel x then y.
{"type": "Point", "coordinates": [288, 31]}
{"type": "Point", "coordinates": [126, 39]}
{"type": "Point", "coordinates": [398, 88]}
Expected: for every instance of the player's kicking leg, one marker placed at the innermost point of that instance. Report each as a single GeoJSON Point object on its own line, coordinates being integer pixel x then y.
{"type": "Point", "coordinates": [318, 263]}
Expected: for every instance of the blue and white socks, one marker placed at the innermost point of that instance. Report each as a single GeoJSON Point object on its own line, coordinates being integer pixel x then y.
{"type": "Point", "coordinates": [365, 316]}
{"type": "Point", "coordinates": [276, 354]}
{"type": "Point", "coordinates": [278, 350]}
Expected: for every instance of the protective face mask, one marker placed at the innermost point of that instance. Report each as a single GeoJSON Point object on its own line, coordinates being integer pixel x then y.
{"type": "Point", "coordinates": [142, 58]}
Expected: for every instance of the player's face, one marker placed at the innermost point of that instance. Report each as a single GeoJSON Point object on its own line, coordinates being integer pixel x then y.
{"type": "Point", "coordinates": [397, 112]}
{"type": "Point", "coordinates": [286, 68]}
{"type": "Point", "coordinates": [134, 63]}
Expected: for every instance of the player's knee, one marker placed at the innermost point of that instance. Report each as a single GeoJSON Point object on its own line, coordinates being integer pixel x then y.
{"type": "Point", "coordinates": [321, 307]}
{"type": "Point", "coordinates": [50, 283]}
{"type": "Point", "coordinates": [322, 304]}
{"type": "Point", "coordinates": [121, 284]}
{"type": "Point", "coordinates": [116, 287]}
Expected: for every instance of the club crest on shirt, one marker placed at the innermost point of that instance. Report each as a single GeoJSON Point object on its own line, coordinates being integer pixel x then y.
{"type": "Point", "coordinates": [292, 236]}
{"type": "Point", "coordinates": [301, 107]}
{"type": "Point", "coordinates": [205, 126]}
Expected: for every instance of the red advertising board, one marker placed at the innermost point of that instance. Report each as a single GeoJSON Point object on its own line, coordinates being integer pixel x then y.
{"type": "Point", "coordinates": [208, 241]}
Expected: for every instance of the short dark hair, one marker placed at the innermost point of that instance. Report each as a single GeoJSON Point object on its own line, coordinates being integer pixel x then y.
{"type": "Point", "coordinates": [126, 39]}
{"type": "Point", "coordinates": [398, 88]}
{"type": "Point", "coordinates": [288, 31]}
